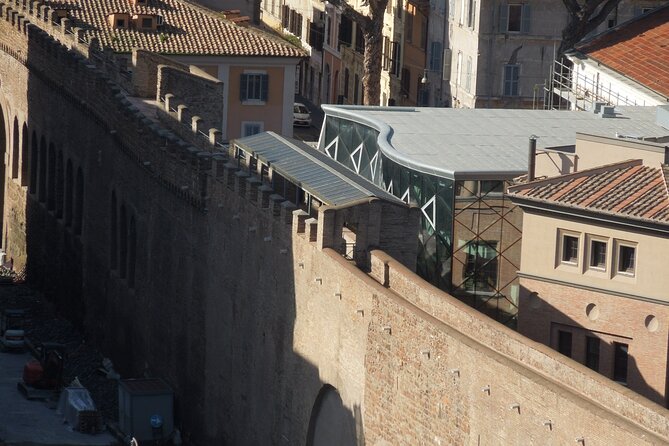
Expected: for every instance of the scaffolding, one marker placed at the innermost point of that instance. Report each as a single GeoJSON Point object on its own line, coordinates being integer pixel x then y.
{"type": "Point", "coordinates": [569, 89]}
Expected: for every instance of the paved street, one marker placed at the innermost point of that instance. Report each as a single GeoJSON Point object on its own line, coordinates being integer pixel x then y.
{"type": "Point", "coordinates": [33, 422]}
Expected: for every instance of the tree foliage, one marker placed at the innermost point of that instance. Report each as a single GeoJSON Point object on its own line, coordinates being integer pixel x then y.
{"type": "Point", "coordinates": [371, 25]}
{"type": "Point", "coordinates": [584, 17]}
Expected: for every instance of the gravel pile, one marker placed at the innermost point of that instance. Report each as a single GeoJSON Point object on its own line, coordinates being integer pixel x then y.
{"type": "Point", "coordinates": [82, 360]}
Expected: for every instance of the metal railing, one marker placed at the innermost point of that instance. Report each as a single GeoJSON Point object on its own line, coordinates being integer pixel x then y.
{"type": "Point", "coordinates": [571, 89]}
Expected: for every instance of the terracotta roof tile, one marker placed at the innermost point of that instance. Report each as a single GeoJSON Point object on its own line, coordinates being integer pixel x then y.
{"type": "Point", "coordinates": [188, 29]}
{"type": "Point", "coordinates": [638, 49]}
{"type": "Point", "coordinates": [626, 189]}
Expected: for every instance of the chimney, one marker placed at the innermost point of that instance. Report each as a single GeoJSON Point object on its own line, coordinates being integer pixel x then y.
{"type": "Point", "coordinates": [531, 159]}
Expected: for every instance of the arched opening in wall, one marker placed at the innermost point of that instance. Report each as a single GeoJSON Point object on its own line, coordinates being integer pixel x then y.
{"type": "Point", "coordinates": [113, 258]}
{"type": "Point", "coordinates": [34, 154]}
{"type": "Point", "coordinates": [132, 246]}
{"type": "Point", "coordinates": [331, 423]}
{"type": "Point", "coordinates": [15, 149]}
{"type": "Point", "coordinates": [60, 185]}
{"type": "Point", "coordinates": [25, 165]}
{"type": "Point", "coordinates": [42, 170]}
{"type": "Point", "coordinates": [79, 202]}
{"type": "Point", "coordinates": [68, 194]}
{"type": "Point", "coordinates": [51, 179]}
{"type": "Point", "coordinates": [123, 252]}
{"type": "Point", "coordinates": [3, 146]}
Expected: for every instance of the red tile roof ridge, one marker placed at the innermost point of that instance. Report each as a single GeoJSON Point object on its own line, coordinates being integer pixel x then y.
{"type": "Point", "coordinates": [619, 179]}
{"type": "Point", "coordinates": [574, 175]}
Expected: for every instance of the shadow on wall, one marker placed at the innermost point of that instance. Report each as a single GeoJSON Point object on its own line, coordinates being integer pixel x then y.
{"type": "Point", "coordinates": [87, 213]}
{"type": "Point", "coordinates": [331, 423]}
{"type": "Point", "coordinates": [613, 355]}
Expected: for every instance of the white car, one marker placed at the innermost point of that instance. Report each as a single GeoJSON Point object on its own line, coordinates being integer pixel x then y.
{"type": "Point", "coordinates": [301, 115]}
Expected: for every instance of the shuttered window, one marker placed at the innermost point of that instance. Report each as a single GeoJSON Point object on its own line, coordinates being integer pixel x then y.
{"type": "Point", "coordinates": [435, 56]}
{"type": "Point", "coordinates": [254, 87]}
{"type": "Point", "coordinates": [511, 76]}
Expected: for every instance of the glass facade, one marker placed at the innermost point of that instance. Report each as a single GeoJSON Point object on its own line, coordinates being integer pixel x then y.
{"type": "Point", "coordinates": [469, 240]}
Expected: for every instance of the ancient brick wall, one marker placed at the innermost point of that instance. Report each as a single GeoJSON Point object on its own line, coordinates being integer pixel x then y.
{"type": "Point", "coordinates": [245, 311]}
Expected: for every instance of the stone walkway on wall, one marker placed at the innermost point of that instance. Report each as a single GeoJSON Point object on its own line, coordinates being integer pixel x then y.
{"type": "Point", "coordinates": [24, 422]}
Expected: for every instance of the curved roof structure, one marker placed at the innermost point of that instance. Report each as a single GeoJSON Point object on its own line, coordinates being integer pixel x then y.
{"type": "Point", "coordinates": [487, 143]}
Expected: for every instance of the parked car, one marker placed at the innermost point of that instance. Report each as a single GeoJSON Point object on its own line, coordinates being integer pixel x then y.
{"type": "Point", "coordinates": [301, 115]}
{"type": "Point", "coordinates": [12, 335]}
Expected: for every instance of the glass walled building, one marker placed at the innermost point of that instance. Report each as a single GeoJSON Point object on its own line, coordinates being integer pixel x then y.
{"type": "Point", "coordinates": [456, 164]}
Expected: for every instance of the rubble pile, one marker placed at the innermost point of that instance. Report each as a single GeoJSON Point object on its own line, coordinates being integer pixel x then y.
{"type": "Point", "coordinates": [82, 360]}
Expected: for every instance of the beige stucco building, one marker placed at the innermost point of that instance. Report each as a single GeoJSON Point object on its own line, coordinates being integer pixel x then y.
{"type": "Point", "coordinates": [592, 276]}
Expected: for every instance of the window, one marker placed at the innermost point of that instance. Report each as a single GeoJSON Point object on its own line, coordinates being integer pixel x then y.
{"type": "Point", "coordinates": [514, 18]}
{"type": "Point", "coordinates": [423, 32]}
{"type": "Point", "coordinates": [626, 260]}
{"type": "Point", "coordinates": [251, 128]}
{"type": "Point", "coordinates": [468, 77]}
{"type": "Point", "coordinates": [570, 249]}
{"type": "Point", "coordinates": [511, 75]}
{"type": "Point", "coordinates": [592, 352]}
{"type": "Point", "coordinates": [435, 56]}
{"type": "Point", "coordinates": [458, 70]}
{"type": "Point", "coordinates": [147, 23]}
{"type": "Point", "coordinates": [406, 80]}
{"type": "Point", "coordinates": [480, 272]}
{"type": "Point", "coordinates": [399, 5]}
{"type": "Point", "coordinates": [395, 61]}
{"type": "Point", "coordinates": [463, 9]}
{"type": "Point", "coordinates": [408, 27]}
{"type": "Point", "coordinates": [471, 13]}
{"type": "Point", "coordinates": [598, 254]}
{"type": "Point", "coordinates": [620, 362]}
{"type": "Point", "coordinates": [356, 89]}
{"type": "Point", "coordinates": [359, 40]}
{"type": "Point", "coordinates": [253, 87]}
{"type": "Point", "coordinates": [564, 342]}
{"type": "Point", "coordinates": [346, 80]}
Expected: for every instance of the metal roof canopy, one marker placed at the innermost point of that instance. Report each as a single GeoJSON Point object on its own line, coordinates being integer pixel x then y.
{"type": "Point", "coordinates": [485, 143]}
{"type": "Point", "coordinates": [313, 171]}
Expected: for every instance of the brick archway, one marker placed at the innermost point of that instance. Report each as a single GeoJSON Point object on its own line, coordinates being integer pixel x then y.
{"type": "Point", "coordinates": [331, 424]}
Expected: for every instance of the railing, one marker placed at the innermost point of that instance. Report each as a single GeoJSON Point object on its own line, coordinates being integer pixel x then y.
{"type": "Point", "coordinates": [571, 89]}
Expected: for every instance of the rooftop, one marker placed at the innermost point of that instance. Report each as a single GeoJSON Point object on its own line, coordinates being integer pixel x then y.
{"type": "Point", "coordinates": [627, 189]}
{"type": "Point", "coordinates": [487, 143]}
{"type": "Point", "coordinates": [637, 49]}
{"type": "Point", "coordinates": [188, 29]}
{"type": "Point", "coordinates": [313, 171]}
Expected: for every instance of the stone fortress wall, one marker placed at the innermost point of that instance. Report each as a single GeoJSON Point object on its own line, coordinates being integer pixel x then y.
{"type": "Point", "coordinates": [242, 302]}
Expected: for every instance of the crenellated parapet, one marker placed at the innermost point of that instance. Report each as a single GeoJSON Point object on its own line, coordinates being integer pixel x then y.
{"type": "Point", "coordinates": [80, 72]}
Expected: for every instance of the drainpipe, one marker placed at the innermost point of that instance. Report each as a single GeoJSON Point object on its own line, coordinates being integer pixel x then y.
{"type": "Point", "coordinates": [531, 159]}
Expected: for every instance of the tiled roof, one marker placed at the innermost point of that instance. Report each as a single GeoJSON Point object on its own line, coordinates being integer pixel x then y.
{"type": "Point", "coordinates": [188, 29]}
{"type": "Point", "coordinates": [638, 49]}
{"type": "Point", "coordinates": [627, 189]}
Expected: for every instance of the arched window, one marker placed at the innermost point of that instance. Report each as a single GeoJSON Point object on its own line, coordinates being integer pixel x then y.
{"type": "Point", "coordinates": [132, 249]}
{"type": "Point", "coordinates": [79, 202]}
{"type": "Point", "coordinates": [25, 165]}
{"type": "Point", "coordinates": [42, 170]}
{"type": "Point", "coordinates": [60, 185]}
{"type": "Point", "coordinates": [15, 149]}
{"type": "Point", "coordinates": [114, 232]}
{"type": "Point", "coordinates": [68, 193]}
{"type": "Point", "coordinates": [51, 179]}
{"type": "Point", "coordinates": [33, 164]}
{"type": "Point", "coordinates": [123, 252]}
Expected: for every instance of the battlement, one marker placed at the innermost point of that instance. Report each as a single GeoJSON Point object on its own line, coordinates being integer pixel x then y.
{"type": "Point", "coordinates": [83, 79]}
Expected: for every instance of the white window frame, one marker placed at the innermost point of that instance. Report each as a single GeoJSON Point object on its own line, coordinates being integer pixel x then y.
{"type": "Point", "coordinates": [591, 240]}
{"type": "Point", "coordinates": [560, 248]}
{"type": "Point", "coordinates": [619, 244]}
{"type": "Point", "coordinates": [255, 101]}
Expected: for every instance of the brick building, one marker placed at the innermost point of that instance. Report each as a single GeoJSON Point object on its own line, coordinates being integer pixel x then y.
{"type": "Point", "coordinates": [592, 275]}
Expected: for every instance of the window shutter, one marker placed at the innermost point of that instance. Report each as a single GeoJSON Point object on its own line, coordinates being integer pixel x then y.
{"type": "Point", "coordinates": [446, 75]}
{"type": "Point", "coordinates": [503, 17]}
{"type": "Point", "coordinates": [243, 94]}
{"type": "Point", "coordinates": [265, 87]}
{"type": "Point", "coordinates": [525, 24]}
